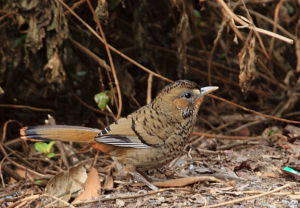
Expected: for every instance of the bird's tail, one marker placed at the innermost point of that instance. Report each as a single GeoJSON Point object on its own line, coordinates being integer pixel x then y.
{"type": "Point", "coordinates": [59, 132]}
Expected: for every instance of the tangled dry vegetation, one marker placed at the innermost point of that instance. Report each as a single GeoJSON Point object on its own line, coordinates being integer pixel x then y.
{"type": "Point", "coordinates": [57, 55]}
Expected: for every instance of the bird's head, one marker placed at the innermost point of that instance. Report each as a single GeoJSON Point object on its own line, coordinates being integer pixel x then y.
{"type": "Point", "coordinates": [182, 98]}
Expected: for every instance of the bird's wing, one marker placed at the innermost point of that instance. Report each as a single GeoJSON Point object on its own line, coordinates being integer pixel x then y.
{"type": "Point", "coordinates": [124, 133]}
{"type": "Point", "coordinates": [121, 141]}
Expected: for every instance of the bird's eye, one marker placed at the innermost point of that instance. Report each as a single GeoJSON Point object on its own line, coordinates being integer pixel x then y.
{"type": "Point", "coordinates": [187, 95]}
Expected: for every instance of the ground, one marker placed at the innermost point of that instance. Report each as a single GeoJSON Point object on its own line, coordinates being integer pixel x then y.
{"type": "Point", "coordinates": [89, 63]}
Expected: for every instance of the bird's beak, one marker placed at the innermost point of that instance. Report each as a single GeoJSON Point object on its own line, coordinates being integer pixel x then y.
{"type": "Point", "coordinates": [204, 91]}
{"type": "Point", "coordinates": [207, 90]}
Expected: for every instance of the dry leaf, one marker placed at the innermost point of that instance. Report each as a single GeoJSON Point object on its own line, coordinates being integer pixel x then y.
{"type": "Point", "coordinates": [297, 47]}
{"type": "Point", "coordinates": [179, 182]}
{"type": "Point", "coordinates": [54, 70]}
{"type": "Point", "coordinates": [293, 131]}
{"type": "Point", "coordinates": [64, 184]}
{"type": "Point", "coordinates": [109, 182]}
{"type": "Point", "coordinates": [120, 203]}
{"type": "Point", "coordinates": [270, 175]}
{"type": "Point", "coordinates": [282, 142]}
{"type": "Point", "coordinates": [24, 174]}
{"type": "Point", "coordinates": [295, 197]}
{"type": "Point", "coordinates": [247, 59]}
{"type": "Point", "coordinates": [91, 187]}
{"type": "Point", "coordinates": [50, 120]}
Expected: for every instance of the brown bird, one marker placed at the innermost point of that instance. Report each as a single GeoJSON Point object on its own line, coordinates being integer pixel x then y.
{"type": "Point", "coordinates": [148, 138]}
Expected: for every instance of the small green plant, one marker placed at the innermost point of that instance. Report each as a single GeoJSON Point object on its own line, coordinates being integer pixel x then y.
{"type": "Point", "coordinates": [38, 182]}
{"type": "Point", "coordinates": [45, 148]}
{"type": "Point", "coordinates": [102, 99]}
{"type": "Point", "coordinates": [289, 7]}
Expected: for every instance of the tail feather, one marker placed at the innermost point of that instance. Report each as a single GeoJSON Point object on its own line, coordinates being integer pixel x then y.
{"type": "Point", "coordinates": [59, 132]}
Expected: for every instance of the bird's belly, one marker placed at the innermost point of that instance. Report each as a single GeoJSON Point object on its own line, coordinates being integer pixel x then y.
{"type": "Point", "coordinates": [145, 159]}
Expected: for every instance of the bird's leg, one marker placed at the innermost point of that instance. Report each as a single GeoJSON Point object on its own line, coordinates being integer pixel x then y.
{"type": "Point", "coordinates": [130, 169]}
{"type": "Point", "coordinates": [140, 178]}
{"type": "Point", "coordinates": [150, 178]}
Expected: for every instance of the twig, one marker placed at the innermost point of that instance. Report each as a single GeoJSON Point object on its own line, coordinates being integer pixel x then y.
{"type": "Point", "coordinates": [128, 196]}
{"type": "Point", "coordinates": [111, 47]}
{"type": "Point", "coordinates": [75, 5]}
{"type": "Point", "coordinates": [1, 172]}
{"type": "Point", "coordinates": [276, 13]}
{"type": "Point", "coordinates": [225, 136]}
{"type": "Point", "coordinates": [248, 198]}
{"type": "Point", "coordinates": [251, 26]}
{"type": "Point", "coordinates": [149, 88]}
{"type": "Point", "coordinates": [61, 149]}
{"type": "Point", "coordinates": [58, 199]}
{"type": "Point", "coordinates": [119, 106]}
{"type": "Point", "coordinates": [110, 112]}
{"type": "Point", "coordinates": [21, 166]}
{"type": "Point", "coordinates": [19, 157]}
{"type": "Point", "coordinates": [231, 145]}
{"type": "Point", "coordinates": [297, 47]}
{"type": "Point", "coordinates": [26, 107]}
{"type": "Point", "coordinates": [100, 61]}
{"type": "Point", "coordinates": [37, 196]}
{"type": "Point", "coordinates": [11, 173]}
{"type": "Point", "coordinates": [5, 127]}
{"type": "Point", "coordinates": [253, 111]}
{"type": "Point", "coordinates": [87, 105]}
{"type": "Point", "coordinates": [266, 19]}
{"type": "Point", "coordinates": [284, 193]}
{"type": "Point", "coordinates": [255, 32]}
{"type": "Point", "coordinates": [247, 125]}
{"type": "Point", "coordinates": [29, 170]}
{"type": "Point", "coordinates": [220, 30]}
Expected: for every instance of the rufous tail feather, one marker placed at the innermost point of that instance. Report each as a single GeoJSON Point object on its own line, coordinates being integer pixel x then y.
{"type": "Point", "coordinates": [60, 133]}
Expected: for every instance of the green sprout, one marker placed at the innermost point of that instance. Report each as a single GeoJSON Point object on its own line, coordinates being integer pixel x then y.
{"type": "Point", "coordinates": [38, 182]}
{"type": "Point", "coordinates": [45, 148]}
{"type": "Point", "coordinates": [102, 99]}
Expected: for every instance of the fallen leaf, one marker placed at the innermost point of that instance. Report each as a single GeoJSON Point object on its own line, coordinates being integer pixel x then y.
{"type": "Point", "coordinates": [64, 184]}
{"type": "Point", "coordinates": [120, 203]}
{"type": "Point", "coordinates": [247, 60]}
{"type": "Point", "coordinates": [24, 174]}
{"type": "Point", "coordinates": [244, 165]}
{"type": "Point", "coordinates": [295, 197]}
{"type": "Point", "coordinates": [270, 175]}
{"type": "Point", "coordinates": [91, 187]}
{"type": "Point", "coordinates": [282, 142]}
{"type": "Point", "coordinates": [54, 70]}
{"type": "Point", "coordinates": [179, 182]}
{"type": "Point", "coordinates": [109, 183]}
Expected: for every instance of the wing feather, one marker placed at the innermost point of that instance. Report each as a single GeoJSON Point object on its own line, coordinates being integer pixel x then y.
{"type": "Point", "coordinates": [120, 134]}
{"type": "Point", "coordinates": [121, 141]}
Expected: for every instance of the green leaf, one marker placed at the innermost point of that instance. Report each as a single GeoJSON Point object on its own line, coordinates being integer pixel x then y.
{"type": "Point", "coordinates": [81, 73]}
{"type": "Point", "coordinates": [51, 154]}
{"type": "Point", "coordinates": [197, 13]}
{"type": "Point", "coordinates": [41, 147]}
{"type": "Point", "coordinates": [289, 7]}
{"type": "Point", "coordinates": [49, 146]}
{"type": "Point", "coordinates": [102, 99]}
{"type": "Point", "coordinates": [18, 42]}
{"type": "Point", "coordinates": [38, 182]}
{"type": "Point", "coordinates": [270, 132]}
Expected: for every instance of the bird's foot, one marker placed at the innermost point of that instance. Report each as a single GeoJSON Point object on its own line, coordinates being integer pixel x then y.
{"type": "Point", "coordinates": [142, 179]}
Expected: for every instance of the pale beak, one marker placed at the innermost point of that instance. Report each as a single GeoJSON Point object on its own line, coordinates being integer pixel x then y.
{"type": "Point", "coordinates": [207, 90]}
{"type": "Point", "coordinates": [204, 91]}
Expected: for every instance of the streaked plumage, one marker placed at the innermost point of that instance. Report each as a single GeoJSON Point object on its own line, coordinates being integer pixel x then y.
{"type": "Point", "coordinates": [148, 138]}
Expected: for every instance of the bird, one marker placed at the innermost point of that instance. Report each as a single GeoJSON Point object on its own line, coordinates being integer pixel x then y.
{"type": "Point", "coordinates": [148, 138]}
